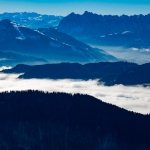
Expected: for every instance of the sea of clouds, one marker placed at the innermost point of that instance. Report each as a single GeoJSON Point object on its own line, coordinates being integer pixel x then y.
{"type": "Point", "coordinates": [133, 98]}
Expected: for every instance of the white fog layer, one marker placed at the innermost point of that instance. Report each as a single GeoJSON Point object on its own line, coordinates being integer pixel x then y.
{"type": "Point", "coordinates": [128, 54]}
{"type": "Point", "coordinates": [134, 98]}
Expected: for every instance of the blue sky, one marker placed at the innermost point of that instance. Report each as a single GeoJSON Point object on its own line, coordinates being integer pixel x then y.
{"type": "Point", "coordinates": [64, 7]}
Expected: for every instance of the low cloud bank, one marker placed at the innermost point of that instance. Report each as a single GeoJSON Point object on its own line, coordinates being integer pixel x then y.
{"type": "Point", "coordinates": [136, 55]}
{"type": "Point", "coordinates": [133, 98]}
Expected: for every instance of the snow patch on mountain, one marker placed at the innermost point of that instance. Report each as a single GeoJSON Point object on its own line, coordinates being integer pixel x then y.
{"type": "Point", "coordinates": [20, 34]}
{"type": "Point", "coordinates": [126, 32]}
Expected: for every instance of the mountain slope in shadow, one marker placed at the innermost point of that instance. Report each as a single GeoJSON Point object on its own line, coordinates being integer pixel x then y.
{"type": "Point", "coordinates": [35, 120]}
{"type": "Point", "coordinates": [23, 40]}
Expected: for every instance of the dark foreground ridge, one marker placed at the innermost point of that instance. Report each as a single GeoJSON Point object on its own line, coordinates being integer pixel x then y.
{"type": "Point", "coordinates": [110, 73]}
{"type": "Point", "coordinates": [35, 120]}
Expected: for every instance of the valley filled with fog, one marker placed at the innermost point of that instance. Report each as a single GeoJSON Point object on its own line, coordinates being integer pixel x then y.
{"type": "Point", "coordinates": [135, 55]}
{"type": "Point", "coordinates": [133, 98]}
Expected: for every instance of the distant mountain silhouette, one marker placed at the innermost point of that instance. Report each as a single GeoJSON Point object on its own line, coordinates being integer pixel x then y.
{"type": "Point", "coordinates": [36, 120]}
{"type": "Point", "coordinates": [32, 20]}
{"type": "Point", "coordinates": [23, 40]}
{"type": "Point", "coordinates": [128, 31]}
{"type": "Point", "coordinates": [110, 73]}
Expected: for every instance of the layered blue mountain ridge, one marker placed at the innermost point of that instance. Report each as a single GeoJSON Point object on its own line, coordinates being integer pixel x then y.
{"type": "Point", "coordinates": [49, 44]}
{"type": "Point", "coordinates": [127, 31]}
{"type": "Point", "coordinates": [110, 73]}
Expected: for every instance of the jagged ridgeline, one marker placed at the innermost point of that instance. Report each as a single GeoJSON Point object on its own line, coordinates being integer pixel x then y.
{"type": "Point", "coordinates": [35, 120]}
{"type": "Point", "coordinates": [112, 30]}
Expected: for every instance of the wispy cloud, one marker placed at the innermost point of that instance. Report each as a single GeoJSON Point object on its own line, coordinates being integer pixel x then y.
{"type": "Point", "coordinates": [134, 98]}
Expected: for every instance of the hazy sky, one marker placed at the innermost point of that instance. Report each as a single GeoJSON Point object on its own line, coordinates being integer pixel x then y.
{"type": "Point", "coordinates": [64, 7]}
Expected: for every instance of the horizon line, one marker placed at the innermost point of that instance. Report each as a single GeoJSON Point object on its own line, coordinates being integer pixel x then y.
{"type": "Point", "coordinates": [77, 13]}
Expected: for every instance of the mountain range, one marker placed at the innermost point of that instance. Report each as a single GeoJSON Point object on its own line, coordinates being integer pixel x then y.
{"type": "Point", "coordinates": [35, 120]}
{"type": "Point", "coordinates": [110, 30]}
{"type": "Point", "coordinates": [32, 20]}
{"type": "Point", "coordinates": [126, 31]}
{"type": "Point", "coordinates": [109, 73]}
{"type": "Point", "coordinates": [49, 44]}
